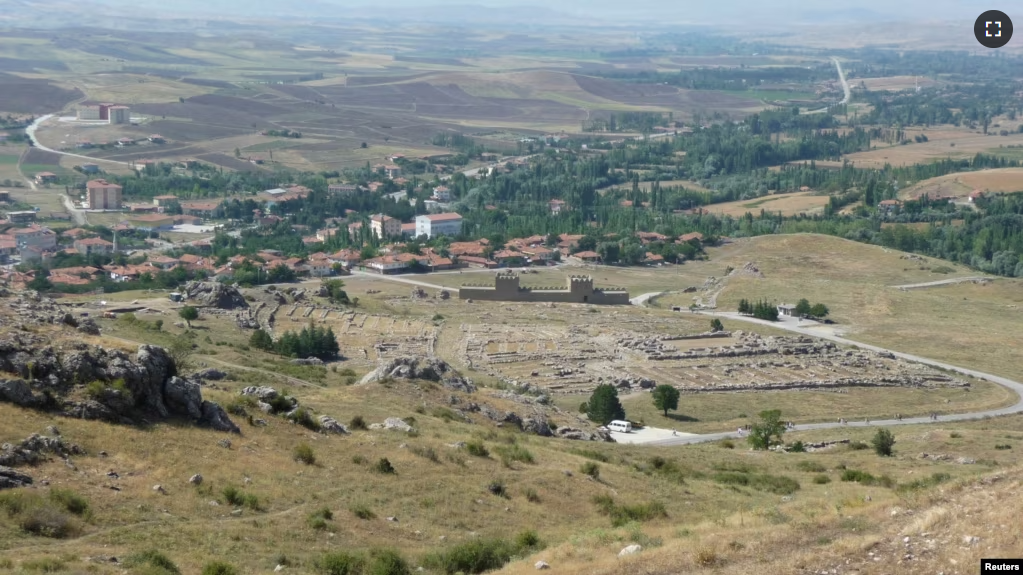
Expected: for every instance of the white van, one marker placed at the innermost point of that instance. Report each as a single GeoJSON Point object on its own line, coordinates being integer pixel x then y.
{"type": "Point", "coordinates": [619, 426]}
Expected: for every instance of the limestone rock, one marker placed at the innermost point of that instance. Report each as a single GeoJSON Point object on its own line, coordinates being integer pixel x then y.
{"type": "Point", "coordinates": [17, 392]}
{"type": "Point", "coordinates": [156, 367]}
{"type": "Point", "coordinates": [307, 362]}
{"type": "Point", "coordinates": [263, 393]}
{"type": "Point", "coordinates": [541, 565]}
{"type": "Point", "coordinates": [213, 416]}
{"type": "Point", "coordinates": [11, 478]}
{"type": "Point", "coordinates": [332, 426]}
{"type": "Point", "coordinates": [183, 397]}
{"type": "Point", "coordinates": [630, 550]}
{"type": "Point", "coordinates": [88, 326]}
{"type": "Point", "coordinates": [196, 479]}
{"type": "Point", "coordinates": [214, 295]}
{"type": "Point", "coordinates": [410, 367]}
{"type": "Point", "coordinates": [397, 424]}
{"type": "Point", "coordinates": [210, 374]}
{"type": "Point", "coordinates": [538, 426]}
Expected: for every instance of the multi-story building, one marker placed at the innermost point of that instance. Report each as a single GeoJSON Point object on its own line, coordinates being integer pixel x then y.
{"type": "Point", "coordinates": [103, 195]}
{"type": "Point", "coordinates": [89, 246]}
{"type": "Point", "coordinates": [120, 115]}
{"type": "Point", "coordinates": [445, 224]}
{"type": "Point", "coordinates": [384, 226]}
{"type": "Point", "coordinates": [88, 112]}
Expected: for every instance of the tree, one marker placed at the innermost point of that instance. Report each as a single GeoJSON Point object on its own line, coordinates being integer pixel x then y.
{"type": "Point", "coordinates": [883, 442]}
{"type": "Point", "coordinates": [188, 314]}
{"type": "Point", "coordinates": [716, 325]}
{"type": "Point", "coordinates": [260, 340]}
{"type": "Point", "coordinates": [803, 307]}
{"type": "Point", "coordinates": [40, 283]}
{"type": "Point", "coordinates": [666, 398]}
{"type": "Point", "coordinates": [819, 310]}
{"type": "Point", "coordinates": [180, 350]}
{"type": "Point", "coordinates": [335, 291]}
{"type": "Point", "coordinates": [767, 432]}
{"type": "Point", "coordinates": [744, 307]}
{"type": "Point", "coordinates": [604, 405]}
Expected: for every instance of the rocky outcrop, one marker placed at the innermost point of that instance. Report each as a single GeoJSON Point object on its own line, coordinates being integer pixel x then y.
{"type": "Point", "coordinates": [18, 392]}
{"type": "Point", "coordinates": [214, 295]}
{"type": "Point", "coordinates": [332, 426]}
{"type": "Point", "coordinates": [34, 449]}
{"type": "Point", "coordinates": [393, 424]}
{"type": "Point", "coordinates": [213, 416]}
{"type": "Point", "coordinates": [11, 478]}
{"type": "Point", "coordinates": [183, 397]}
{"type": "Point", "coordinates": [411, 367]}
{"type": "Point", "coordinates": [209, 374]}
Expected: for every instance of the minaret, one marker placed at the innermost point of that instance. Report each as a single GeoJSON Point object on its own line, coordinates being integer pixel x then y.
{"type": "Point", "coordinates": [115, 241]}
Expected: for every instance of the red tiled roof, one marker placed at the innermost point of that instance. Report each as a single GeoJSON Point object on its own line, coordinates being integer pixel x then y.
{"type": "Point", "coordinates": [444, 216]}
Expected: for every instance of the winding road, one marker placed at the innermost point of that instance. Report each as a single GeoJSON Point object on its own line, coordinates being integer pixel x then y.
{"type": "Point", "coordinates": [945, 282]}
{"type": "Point", "coordinates": [1013, 385]}
{"type": "Point", "coordinates": [31, 132]}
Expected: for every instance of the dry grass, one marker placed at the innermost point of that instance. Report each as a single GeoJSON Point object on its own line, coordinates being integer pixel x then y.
{"type": "Point", "coordinates": [961, 184]}
{"type": "Point", "coordinates": [787, 204]}
{"type": "Point", "coordinates": [894, 82]}
{"type": "Point", "coordinates": [940, 142]}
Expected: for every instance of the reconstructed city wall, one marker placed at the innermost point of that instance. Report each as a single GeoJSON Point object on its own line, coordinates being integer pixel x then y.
{"type": "Point", "coordinates": [579, 290]}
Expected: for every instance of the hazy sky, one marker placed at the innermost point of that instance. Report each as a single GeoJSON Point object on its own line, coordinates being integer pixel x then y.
{"type": "Point", "coordinates": [705, 12]}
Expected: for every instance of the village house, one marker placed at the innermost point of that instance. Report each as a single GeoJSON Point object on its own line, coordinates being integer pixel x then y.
{"type": "Point", "coordinates": [144, 208]}
{"type": "Point", "coordinates": [587, 256]}
{"type": "Point", "coordinates": [786, 310]}
{"type": "Point", "coordinates": [430, 225]}
{"type": "Point", "coordinates": [408, 230]}
{"type": "Point", "coordinates": [34, 236]}
{"type": "Point", "coordinates": [326, 233]}
{"type": "Point", "coordinates": [384, 226]}
{"type": "Point", "coordinates": [164, 199]}
{"type": "Point", "coordinates": [442, 194]}
{"type": "Point", "coordinates": [206, 209]}
{"type": "Point", "coordinates": [690, 236]}
{"type": "Point", "coordinates": [156, 139]}
{"type": "Point", "coordinates": [343, 189]}
{"type": "Point", "coordinates": [653, 259]}
{"type": "Point", "coordinates": [21, 216]}
{"type": "Point", "coordinates": [387, 264]}
{"type": "Point", "coordinates": [76, 233]}
{"type": "Point", "coordinates": [354, 229]}
{"type": "Point", "coordinates": [976, 195]}
{"type": "Point", "coordinates": [163, 262]}
{"type": "Point", "coordinates": [889, 206]}
{"type": "Point", "coordinates": [346, 258]}
{"type": "Point", "coordinates": [648, 237]}
{"type": "Point", "coordinates": [88, 246]}
{"type": "Point", "coordinates": [45, 178]}
{"type": "Point", "coordinates": [556, 206]}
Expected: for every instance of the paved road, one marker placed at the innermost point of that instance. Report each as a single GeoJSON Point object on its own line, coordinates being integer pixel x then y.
{"type": "Point", "coordinates": [642, 299]}
{"type": "Point", "coordinates": [402, 280]}
{"type": "Point", "coordinates": [845, 88]}
{"type": "Point", "coordinates": [944, 282]}
{"type": "Point", "coordinates": [1013, 385]}
{"type": "Point", "coordinates": [31, 132]}
{"type": "Point", "coordinates": [78, 215]}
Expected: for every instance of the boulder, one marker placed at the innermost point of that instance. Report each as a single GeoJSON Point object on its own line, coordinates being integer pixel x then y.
{"type": "Point", "coordinates": [332, 426]}
{"type": "Point", "coordinates": [397, 424]}
{"type": "Point", "coordinates": [541, 565]}
{"type": "Point", "coordinates": [263, 393]}
{"type": "Point", "coordinates": [571, 433]}
{"type": "Point", "coordinates": [11, 478]}
{"type": "Point", "coordinates": [17, 392]}
{"type": "Point", "coordinates": [459, 383]}
{"type": "Point", "coordinates": [538, 426]}
{"type": "Point", "coordinates": [210, 374]}
{"type": "Point", "coordinates": [213, 416]}
{"type": "Point", "coordinates": [156, 367]}
{"type": "Point", "coordinates": [411, 367]}
{"type": "Point", "coordinates": [214, 295]}
{"type": "Point", "coordinates": [196, 479]}
{"type": "Point", "coordinates": [183, 397]}
{"type": "Point", "coordinates": [630, 550]}
{"type": "Point", "coordinates": [88, 326]}
{"type": "Point", "coordinates": [307, 362]}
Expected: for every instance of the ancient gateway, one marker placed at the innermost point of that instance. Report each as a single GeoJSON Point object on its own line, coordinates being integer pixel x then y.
{"type": "Point", "coordinates": [580, 290]}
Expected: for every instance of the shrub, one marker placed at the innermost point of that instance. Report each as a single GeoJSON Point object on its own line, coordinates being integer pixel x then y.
{"type": "Point", "coordinates": [304, 418]}
{"type": "Point", "coordinates": [591, 469]}
{"type": "Point", "coordinates": [43, 566]}
{"type": "Point", "coordinates": [796, 446]}
{"type": "Point", "coordinates": [46, 520]}
{"type": "Point", "coordinates": [532, 496]}
{"type": "Point", "coordinates": [424, 452]}
{"type": "Point", "coordinates": [339, 563]}
{"type": "Point", "coordinates": [883, 442]}
{"type": "Point", "coordinates": [514, 453]}
{"type": "Point", "coordinates": [70, 501]}
{"type": "Point", "coordinates": [622, 514]}
{"type": "Point", "coordinates": [857, 445]}
{"type": "Point", "coordinates": [932, 480]}
{"type": "Point", "coordinates": [437, 317]}
{"type": "Point", "coordinates": [304, 454]}
{"type": "Point", "coordinates": [955, 435]}
{"type": "Point", "coordinates": [764, 482]}
{"type": "Point", "coordinates": [235, 497]}
{"type": "Point", "coordinates": [383, 466]}
{"type": "Point", "coordinates": [866, 478]}
{"type": "Point", "coordinates": [358, 459]}
{"type": "Point", "coordinates": [318, 519]}
{"type": "Point", "coordinates": [592, 455]}
{"type": "Point", "coordinates": [821, 479]}
{"type": "Point", "coordinates": [705, 557]}
{"type": "Point", "coordinates": [219, 567]}
{"type": "Point", "coordinates": [151, 562]}
{"type": "Point", "coordinates": [527, 540]}
{"type": "Point", "coordinates": [1003, 447]}
{"type": "Point", "coordinates": [357, 423]}
{"type": "Point", "coordinates": [497, 488]}
{"type": "Point", "coordinates": [473, 557]}
{"type": "Point", "coordinates": [810, 466]}
{"type": "Point", "coordinates": [476, 448]}
{"type": "Point", "coordinates": [387, 562]}
{"type": "Point", "coordinates": [362, 511]}
{"type": "Point", "coordinates": [726, 443]}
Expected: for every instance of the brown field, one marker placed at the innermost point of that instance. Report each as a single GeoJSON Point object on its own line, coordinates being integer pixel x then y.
{"type": "Point", "coordinates": [787, 204]}
{"type": "Point", "coordinates": [961, 184]}
{"type": "Point", "coordinates": [894, 82]}
{"type": "Point", "coordinates": [33, 96]}
{"type": "Point", "coordinates": [646, 186]}
{"type": "Point", "coordinates": [939, 146]}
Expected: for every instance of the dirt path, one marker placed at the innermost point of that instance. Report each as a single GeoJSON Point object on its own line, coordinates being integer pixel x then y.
{"type": "Point", "coordinates": [946, 282]}
{"type": "Point", "coordinates": [1013, 385]}
{"type": "Point", "coordinates": [402, 280]}
{"type": "Point", "coordinates": [31, 132]}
